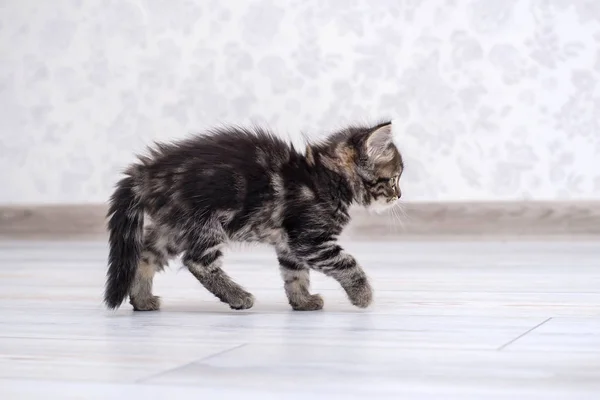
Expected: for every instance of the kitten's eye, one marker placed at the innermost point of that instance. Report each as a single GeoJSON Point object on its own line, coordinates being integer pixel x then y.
{"type": "Point", "coordinates": [392, 181]}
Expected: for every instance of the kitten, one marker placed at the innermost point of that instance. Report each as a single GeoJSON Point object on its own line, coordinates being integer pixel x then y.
{"type": "Point", "coordinates": [246, 185]}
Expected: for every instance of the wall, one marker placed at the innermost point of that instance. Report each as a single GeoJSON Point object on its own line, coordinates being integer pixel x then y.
{"type": "Point", "coordinates": [494, 100]}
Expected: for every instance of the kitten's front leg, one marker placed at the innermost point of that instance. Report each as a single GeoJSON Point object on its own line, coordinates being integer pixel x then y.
{"type": "Point", "coordinates": [329, 258]}
{"type": "Point", "coordinates": [296, 280]}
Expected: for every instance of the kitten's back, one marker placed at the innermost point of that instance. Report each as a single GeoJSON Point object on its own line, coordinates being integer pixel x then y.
{"type": "Point", "coordinates": [235, 147]}
{"type": "Point", "coordinates": [228, 169]}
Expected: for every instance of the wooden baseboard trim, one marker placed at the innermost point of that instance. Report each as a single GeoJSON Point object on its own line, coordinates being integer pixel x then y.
{"type": "Point", "coordinates": [421, 220]}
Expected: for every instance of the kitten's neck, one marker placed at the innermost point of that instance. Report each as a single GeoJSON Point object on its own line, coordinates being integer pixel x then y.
{"type": "Point", "coordinates": [347, 186]}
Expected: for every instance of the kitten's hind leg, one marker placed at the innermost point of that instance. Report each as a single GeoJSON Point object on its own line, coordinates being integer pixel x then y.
{"type": "Point", "coordinates": [140, 294]}
{"type": "Point", "coordinates": [296, 279]}
{"type": "Point", "coordinates": [158, 249]}
{"type": "Point", "coordinates": [204, 262]}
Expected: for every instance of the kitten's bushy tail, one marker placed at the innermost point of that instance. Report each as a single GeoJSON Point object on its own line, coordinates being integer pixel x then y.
{"type": "Point", "coordinates": [125, 227]}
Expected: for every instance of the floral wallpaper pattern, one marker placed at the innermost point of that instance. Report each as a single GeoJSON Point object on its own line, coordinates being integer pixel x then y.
{"type": "Point", "coordinates": [492, 100]}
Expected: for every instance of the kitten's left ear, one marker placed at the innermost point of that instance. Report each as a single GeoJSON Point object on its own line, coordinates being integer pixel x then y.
{"type": "Point", "coordinates": [379, 141]}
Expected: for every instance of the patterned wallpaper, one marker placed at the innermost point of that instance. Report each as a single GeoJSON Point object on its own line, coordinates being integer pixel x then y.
{"type": "Point", "coordinates": [492, 99]}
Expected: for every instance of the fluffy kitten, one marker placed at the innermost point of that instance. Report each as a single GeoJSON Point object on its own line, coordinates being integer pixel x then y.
{"type": "Point", "coordinates": [246, 185]}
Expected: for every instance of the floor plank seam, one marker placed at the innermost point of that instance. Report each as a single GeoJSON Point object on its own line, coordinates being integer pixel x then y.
{"type": "Point", "coordinates": [505, 345]}
{"type": "Point", "coordinates": [218, 353]}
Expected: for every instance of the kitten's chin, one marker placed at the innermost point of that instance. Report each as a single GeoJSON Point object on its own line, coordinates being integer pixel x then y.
{"type": "Point", "coordinates": [380, 207]}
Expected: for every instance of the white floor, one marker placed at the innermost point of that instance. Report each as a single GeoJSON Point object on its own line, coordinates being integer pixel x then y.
{"type": "Point", "coordinates": [464, 320]}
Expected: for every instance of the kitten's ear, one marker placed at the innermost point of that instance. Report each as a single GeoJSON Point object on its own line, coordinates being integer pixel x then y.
{"type": "Point", "coordinates": [379, 141]}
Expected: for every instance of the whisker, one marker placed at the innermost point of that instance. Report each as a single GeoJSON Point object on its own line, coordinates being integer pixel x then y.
{"type": "Point", "coordinates": [406, 217]}
{"type": "Point", "coordinates": [394, 226]}
{"type": "Point", "coordinates": [398, 218]}
{"type": "Point", "coordinates": [402, 211]}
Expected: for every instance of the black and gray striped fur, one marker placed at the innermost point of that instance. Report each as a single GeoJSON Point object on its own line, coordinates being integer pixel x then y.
{"type": "Point", "coordinates": [246, 185]}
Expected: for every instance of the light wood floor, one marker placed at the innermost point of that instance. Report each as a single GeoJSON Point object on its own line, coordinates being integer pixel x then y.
{"type": "Point", "coordinates": [464, 320]}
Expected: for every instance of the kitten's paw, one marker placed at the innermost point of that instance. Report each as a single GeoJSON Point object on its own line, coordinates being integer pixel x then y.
{"type": "Point", "coordinates": [242, 302]}
{"type": "Point", "coordinates": [146, 304]}
{"type": "Point", "coordinates": [313, 302]}
{"type": "Point", "coordinates": [361, 296]}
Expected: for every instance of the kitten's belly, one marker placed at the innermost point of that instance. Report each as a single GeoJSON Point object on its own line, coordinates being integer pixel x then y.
{"type": "Point", "coordinates": [262, 226]}
{"type": "Point", "coordinates": [259, 234]}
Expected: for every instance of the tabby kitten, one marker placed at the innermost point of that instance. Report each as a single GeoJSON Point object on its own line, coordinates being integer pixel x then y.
{"type": "Point", "coordinates": [246, 185]}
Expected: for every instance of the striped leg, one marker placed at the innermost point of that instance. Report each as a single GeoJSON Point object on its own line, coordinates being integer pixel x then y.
{"type": "Point", "coordinates": [158, 249]}
{"type": "Point", "coordinates": [328, 257]}
{"type": "Point", "coordinates": [140, 294]}
{"type": "Point", "coordinates": [204, 261]}
{"type": "Point", "coordinates": [296, 278]}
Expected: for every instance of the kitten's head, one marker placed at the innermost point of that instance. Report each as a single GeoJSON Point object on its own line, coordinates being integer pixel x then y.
{"type": "Point", "coordinates": [369, 159]}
